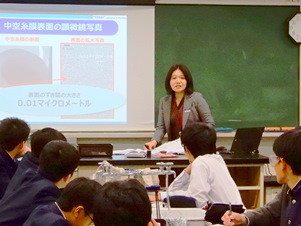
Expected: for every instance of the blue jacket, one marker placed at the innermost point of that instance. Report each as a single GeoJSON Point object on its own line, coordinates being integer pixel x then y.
{"type": "Point", "coordinates": [32, 191]}
{"type": "Point", "coordinates": [48, 215]}
{"type": "Point", "coordinates": [27, 162]}
{"type": "Point", "coordinates": [8, 167]}
{"type": "Point", "coordinates": [283, 210]}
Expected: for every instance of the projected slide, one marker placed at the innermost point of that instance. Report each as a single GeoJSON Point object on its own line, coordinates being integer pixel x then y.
{"type": "Point", "coordinates": [59, 68]}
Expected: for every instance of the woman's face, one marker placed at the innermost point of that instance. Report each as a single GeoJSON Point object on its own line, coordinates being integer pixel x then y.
{"type": "Point", "coordinates": [178, 82]}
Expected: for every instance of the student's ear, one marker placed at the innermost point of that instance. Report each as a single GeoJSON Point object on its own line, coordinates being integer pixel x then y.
{"type": "Point", "coordinates": [286, 166]}
{"type": "Point", "coordinates": [78, 210]}
{"type": "Point", "coordinates": [189, 155]}
{"type": "Point", "coordinates": [186, 149]}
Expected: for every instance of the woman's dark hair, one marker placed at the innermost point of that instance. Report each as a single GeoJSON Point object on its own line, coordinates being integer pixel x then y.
{"type": "Point", "coordinates": [199, 138]}
{"type": "Point", "coordinates": [189, 87]}
{"type": "Point", "coordinates": [288, 147]}
{"type": "Point", "coordinates": [122, 203]}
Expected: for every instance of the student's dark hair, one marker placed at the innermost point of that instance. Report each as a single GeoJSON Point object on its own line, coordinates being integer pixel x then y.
{"type": "Point", "coordinates": [13, 131]}
{"type": "Point", "coordinates": [189, 87]}
{"type": "Point", "coordinates": [40, 138]}
{"type": "Point", "coordinates": [122, 203]}
{"type": "Point", "coordinates": [80, 191]}
{"type": "Point", "coordinates": [58, 159]}
{"type": "Point", "coordinates": [288, 147]}
{"type": "Point", "coordinates": [199, 138]}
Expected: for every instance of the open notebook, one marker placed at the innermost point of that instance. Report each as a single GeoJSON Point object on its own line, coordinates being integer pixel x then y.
{"type": "Point", "coordinates": [247, 140]}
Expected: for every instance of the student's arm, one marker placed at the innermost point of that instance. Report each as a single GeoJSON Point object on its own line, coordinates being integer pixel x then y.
{"type": "Point", "coordinates": [180, 185]}
{"type": "Point", "coordinates": [234, 219]}
{"type": "Point", "coordinates": [199, 186]}
{"type": "Point", "coordinates": [266, 215]}
{"type": "Point", "coordinates": [271, 212]}
{"type": "Point", "coordinates": [153, 223]}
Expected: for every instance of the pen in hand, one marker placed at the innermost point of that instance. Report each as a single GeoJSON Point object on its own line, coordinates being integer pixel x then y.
{"type": "Point", "coordinates": [230, 209]}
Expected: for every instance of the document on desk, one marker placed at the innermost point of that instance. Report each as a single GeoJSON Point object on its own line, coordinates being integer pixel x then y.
{"type": "Point", "coordinates": [171, 147]}
{"type": "Point", "coordinates": [126, 151]}
{"type": "Point", "coordinates": [188, 214]}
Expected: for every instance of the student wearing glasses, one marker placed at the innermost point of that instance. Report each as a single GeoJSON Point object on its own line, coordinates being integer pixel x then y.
{"type": "Point", "coordinates": [73, 207]}
{"type": "Point", "coordinates": [285, 208]}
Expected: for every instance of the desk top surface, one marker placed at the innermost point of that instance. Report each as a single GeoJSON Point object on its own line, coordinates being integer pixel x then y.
{"type": "Point", "coordinates": [120, 160]}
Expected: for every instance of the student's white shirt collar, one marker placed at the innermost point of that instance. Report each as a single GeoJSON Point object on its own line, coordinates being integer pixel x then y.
{"type": "Point", "coordinates": [60, 210]}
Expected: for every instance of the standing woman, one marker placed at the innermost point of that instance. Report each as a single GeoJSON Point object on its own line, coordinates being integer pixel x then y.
{"type": "Point", "coordinates": [180, 107]}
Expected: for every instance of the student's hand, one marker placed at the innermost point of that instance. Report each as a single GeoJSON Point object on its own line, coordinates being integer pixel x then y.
{"type": "Point", "coordinates": [234, 219]}
{"type": "Point", "coordinates": [23, 151]}
{"type": "Point", "coordinates": [150, 145]}
{"type": "Point", "coordinates": [188, 169]}
{"type": "Point", "coordinates": [153, 223]}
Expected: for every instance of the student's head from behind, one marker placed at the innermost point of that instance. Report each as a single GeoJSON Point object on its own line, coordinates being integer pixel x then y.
{"type": "Point", "coordinates": [187, 74]}
{"type": "Point", "coordinates": [13, 132]}
{"type": "Point", "coordinates": [199, 138]}
{"type": "Point", "coordinates": [122, 203]}
{"type": "Point", "coordinates": [40, 138]}
{"type": "Point", "coordinates": [77, 199]}
{"type": "Point", "coordinates": [58, 159]}
{"type": "Point", "coordinates": [287, 148]}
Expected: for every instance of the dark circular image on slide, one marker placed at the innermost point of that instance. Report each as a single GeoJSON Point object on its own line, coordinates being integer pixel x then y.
{"type": "Point", "coordinates": [20, 67]}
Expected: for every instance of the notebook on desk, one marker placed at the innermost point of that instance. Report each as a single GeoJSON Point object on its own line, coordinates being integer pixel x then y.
{"type": "Point", "coordinates": [247, 140]}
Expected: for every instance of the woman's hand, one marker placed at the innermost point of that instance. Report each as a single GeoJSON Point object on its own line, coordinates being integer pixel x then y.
{"type": "Point", "coordinates": [150, 145]}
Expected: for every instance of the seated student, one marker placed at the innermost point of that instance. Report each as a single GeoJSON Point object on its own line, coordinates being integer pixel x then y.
{"type": "Point", "coordinates": [73, 207]}
{"type": "Point", "coordinates": [58, 160]}
{"type": "Point", "coordinates": [206, 178]}
{"type": "Point", "coordinates": [31, 159]}
{"type": "Point", "coordinates": [37, 141]}
{"type": "Point", "coordinates": [13, 135]}
{"type": "Point", "coordinates": [284, 209]}
{"type": "Point", "coordinates": [123, 203]}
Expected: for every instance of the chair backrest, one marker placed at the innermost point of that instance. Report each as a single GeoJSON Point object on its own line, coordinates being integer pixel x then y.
{"type": "Point", "coordinates": [181, 201]}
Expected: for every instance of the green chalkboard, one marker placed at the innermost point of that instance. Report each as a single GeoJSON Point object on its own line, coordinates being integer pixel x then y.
{"type": "Point", "coordinates": [241, 57]}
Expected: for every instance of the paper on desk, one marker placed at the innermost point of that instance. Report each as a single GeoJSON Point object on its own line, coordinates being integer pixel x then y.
{"type": "Point", "coordinates": [171, 147]}
{"type": "Point", "coordinates": [125, 151]}
{"type": "Point", "coordinates": [180, 213]}
{"type": "Point", "coordinates": [174, 147]}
